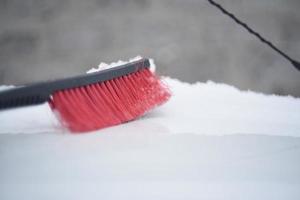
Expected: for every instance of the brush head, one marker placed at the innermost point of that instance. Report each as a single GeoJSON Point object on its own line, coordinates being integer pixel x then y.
{"type": "Point", "coordinates": [96, 100]}
{"type": "Point", "coordinates": [111, 102]}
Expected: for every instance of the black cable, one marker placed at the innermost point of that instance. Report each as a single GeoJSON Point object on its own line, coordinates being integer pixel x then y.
{"type": "Point", "coordinates": [295, 63]}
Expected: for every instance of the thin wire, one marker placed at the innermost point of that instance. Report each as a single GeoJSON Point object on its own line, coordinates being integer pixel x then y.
{"type": "Point", "coordinates": [295, 63]}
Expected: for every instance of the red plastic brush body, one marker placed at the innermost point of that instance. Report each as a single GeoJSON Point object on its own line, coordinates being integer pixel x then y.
{"type": "Point", "coordinates": [110, 102]}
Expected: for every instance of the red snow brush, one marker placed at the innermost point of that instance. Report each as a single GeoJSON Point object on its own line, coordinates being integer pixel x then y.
{"type": "Point", "coordinates": [96, 100]}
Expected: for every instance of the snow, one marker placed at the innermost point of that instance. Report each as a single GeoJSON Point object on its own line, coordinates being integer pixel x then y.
{"type": "Point", "coordinates": [201, 108]}
{"type": "Point", "coordinates": [211, 108]}
{"type": "Point", "coordinates": [210, 141]}
{"type": "Point", "coordinates": [103, 66]}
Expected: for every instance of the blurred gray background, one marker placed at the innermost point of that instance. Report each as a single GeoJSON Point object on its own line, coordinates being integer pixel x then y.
{"type": "Point", "coordinates": [189, 40]}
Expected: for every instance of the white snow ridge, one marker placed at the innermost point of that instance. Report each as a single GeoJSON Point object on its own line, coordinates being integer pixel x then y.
{"type": "Point", "coordinates": [201, 108]}
{"type": "Point", "coordinates": [210, 141]}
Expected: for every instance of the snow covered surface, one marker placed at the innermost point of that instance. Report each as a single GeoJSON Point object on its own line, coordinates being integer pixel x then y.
{"type": "Point", "coordinates": [210, 141]}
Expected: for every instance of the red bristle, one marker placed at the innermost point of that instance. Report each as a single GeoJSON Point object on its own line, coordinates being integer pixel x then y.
{"type": "Point", "coordinates": [109, 103]}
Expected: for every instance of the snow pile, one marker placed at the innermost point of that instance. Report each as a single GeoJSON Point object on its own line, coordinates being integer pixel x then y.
{"type": "Point", "coordinates": [211, 108]}
{"type": "Point", "coordinates": [201, 108]}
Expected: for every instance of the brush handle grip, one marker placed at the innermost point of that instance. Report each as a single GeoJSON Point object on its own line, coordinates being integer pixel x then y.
{"type": "Point", "coordinates": [40, 92]}
{"type": "Point", "coordinates": [24, 96]}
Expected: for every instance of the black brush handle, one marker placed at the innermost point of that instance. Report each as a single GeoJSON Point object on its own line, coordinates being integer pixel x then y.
{"type": "Point", "coordinates": [40, 92]}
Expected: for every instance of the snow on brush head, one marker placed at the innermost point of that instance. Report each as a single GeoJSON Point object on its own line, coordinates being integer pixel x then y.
{"type": "Point", "coordinates": [6, 87]}
{"type": "Point", "coordinates": [103, 66]}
